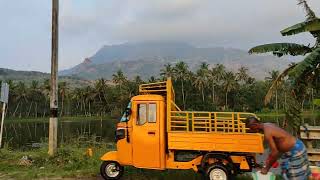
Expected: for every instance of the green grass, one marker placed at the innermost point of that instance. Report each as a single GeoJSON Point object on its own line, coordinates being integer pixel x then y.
{"type": "Point", "coordinates": [70, 161]}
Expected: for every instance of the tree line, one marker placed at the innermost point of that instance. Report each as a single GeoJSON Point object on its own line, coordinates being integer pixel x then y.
{"type": "Point", "coordinates": [209, 88]}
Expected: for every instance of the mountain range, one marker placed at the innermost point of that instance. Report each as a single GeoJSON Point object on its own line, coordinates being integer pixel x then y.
{"type": "Point", "coordinates": [147, 58]}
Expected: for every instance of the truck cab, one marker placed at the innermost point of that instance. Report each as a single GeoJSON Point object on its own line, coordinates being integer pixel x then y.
{"type": "Point", "coordinates": [154, 133]}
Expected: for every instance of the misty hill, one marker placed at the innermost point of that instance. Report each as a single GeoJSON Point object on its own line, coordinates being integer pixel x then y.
{"type": "Point", "coordinates": [146, 59]}
{"type": "Point", "coordinates": [29, 76]}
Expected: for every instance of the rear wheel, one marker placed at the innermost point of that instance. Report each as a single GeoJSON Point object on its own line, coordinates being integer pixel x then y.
{"type": "Point", "coordinates": [111, 170]}
{"type": "Point", "coordinates": [217, 171]}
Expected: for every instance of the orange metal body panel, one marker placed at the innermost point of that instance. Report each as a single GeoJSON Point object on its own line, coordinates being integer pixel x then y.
{"type": "Point", "coordinates": [171, 164]}
{"type": "Point", "coordinates": [240, 160]}
{"type": "Point", "coordinates": [174, 130]}
{"type": "Point", "coordinates": [145, 140]}
{"type": "Point", "coordinates": [110, 156]}
{"type": "Point", "coordinates": [227, 142]}
{"type": "Point", "coordinates": [124, 149]}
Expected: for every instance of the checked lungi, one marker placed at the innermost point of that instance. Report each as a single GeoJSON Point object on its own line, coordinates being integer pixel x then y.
{"type": "Point", "coordinates": [295, 162]}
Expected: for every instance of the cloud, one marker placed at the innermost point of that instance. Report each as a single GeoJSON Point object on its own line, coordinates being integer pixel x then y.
{"type": "Point", "coordinates": [85, 26]}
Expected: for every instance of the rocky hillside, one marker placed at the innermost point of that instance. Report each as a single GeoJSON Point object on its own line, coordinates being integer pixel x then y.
{"type": "Point", "coordinates": [146, 59]}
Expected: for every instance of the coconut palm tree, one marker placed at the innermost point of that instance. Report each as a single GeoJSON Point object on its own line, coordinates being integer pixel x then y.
{"type": "Point", "coordinates": [20, 96]}
{"type": "Point", "coordinates": [62, 91]}
{"type": "Point", "coordinates": [242, 74]}
{"type": "Point", "coordinates": [119, 78]}
{"type": "Point", "coordinates": [167, 71]}
{"type": "Point", "coordinates": [35, 95]}
{"type": "Point", "coordinates": [229, 84]}
{"type": "Point", "coordinates": [45, 88]}
{"type": "Point", "coordinates": [181, 71]}
{"type": "Point", "coordinates": [216, 75]}
{"type": "Point", "coordinates": [272, 79]}
{"type": "Point", "coordinates": [201, 79]}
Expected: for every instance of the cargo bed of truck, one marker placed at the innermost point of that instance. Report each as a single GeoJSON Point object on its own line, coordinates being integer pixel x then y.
{"type": "Point", "coordinates": [212, 131]}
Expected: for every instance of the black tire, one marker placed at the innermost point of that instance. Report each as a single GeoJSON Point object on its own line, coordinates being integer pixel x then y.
{"type": "Point", "coordinates": [218, 171]}
{"type": "Point", "coordinates": [109, 167]}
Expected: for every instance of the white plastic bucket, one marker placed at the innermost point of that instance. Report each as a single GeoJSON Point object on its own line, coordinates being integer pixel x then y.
{"type": "Point", "coordinates": [258, 176]}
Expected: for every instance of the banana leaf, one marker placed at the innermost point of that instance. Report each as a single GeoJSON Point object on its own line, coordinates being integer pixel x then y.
{"type": "Point", "coordinates": [307, 26]}
{"type": "Point", "coordinates": [306, 66]}
{"type": "Point", "coordinates": [280, 49]}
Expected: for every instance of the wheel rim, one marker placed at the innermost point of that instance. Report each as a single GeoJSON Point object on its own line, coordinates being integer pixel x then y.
{"type": "Point", "coordinates": [112, 170]}
{"type": "Point", "coordinates": [218, 174]}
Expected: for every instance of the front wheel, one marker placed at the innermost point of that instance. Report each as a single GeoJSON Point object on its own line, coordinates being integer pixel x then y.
{"type": "Point", "coordinates": [111, 170]}
{"type": "Point", "coordinates": [217, 172]}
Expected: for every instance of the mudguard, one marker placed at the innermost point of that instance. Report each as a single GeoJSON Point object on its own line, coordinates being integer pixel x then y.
{"type": "Point", "coordinates": [110, 156]}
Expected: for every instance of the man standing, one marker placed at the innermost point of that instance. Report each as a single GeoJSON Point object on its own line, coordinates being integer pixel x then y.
{"type": "Point", "coordinates": [292, 151]}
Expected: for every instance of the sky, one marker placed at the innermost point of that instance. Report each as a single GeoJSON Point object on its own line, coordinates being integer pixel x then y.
{"type": "Point", "coordinates": [87, 25]}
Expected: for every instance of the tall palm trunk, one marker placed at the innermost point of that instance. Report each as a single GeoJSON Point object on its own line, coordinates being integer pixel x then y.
{"type": "Point", "coordinates": [62, 103]}
{"type": "Point", "coordinates": [312, 98]}
{"type": "Point", "coordinates": [84, 108]}
{"type": "Point", "coordinates": [183, 99]}
{"type": "Point", "coordinates": [226, 99]}
{"type": "Point", "coordinates": [202, 92]}
{"type": "Point", "coordinates": [30, 109]}
{"type": "Point", "coordinates": [15, 111]}
{"type": "Point", "coordinates": [212, 93]}
{"type": "Point", "coordinates": [89, 113]}
{"type": "Point", "coordinates": [36, 110]}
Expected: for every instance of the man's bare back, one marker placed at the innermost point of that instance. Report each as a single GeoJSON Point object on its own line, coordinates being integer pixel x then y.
{"type": "Point", "coordinates": [282, 144]}
{"type": "Point", "coordinates": [283, 141]}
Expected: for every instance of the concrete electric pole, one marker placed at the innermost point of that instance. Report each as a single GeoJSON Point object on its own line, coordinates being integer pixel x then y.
{"type": "Point", "coordinates": [53, 122]}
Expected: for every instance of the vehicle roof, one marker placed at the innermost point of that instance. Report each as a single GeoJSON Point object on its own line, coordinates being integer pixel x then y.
{"type": "Point", "coordinates": [148, 97]}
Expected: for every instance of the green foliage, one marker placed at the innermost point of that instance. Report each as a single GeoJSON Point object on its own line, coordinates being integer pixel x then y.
{"type": "Point", "coordinates": [307, 66]}
{"type": "Point", "coordinates": [70, 161]}
{"type": "Point", "coordinates": [280, 49]}
{"type": "Point", "coordinates": [293, 114]}
{"type": "Point", "coordinates": [312, 26]}
{"type": "Point", "coordinates": [316, 102]}
{"type": "Point", "coordinates": [210, 88]}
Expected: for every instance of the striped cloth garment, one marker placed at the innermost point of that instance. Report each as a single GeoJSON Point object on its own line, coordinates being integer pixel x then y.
{"type": "Point", "coordinates": [295, 162]}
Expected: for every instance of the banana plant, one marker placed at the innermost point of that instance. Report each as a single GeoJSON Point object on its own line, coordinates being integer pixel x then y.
{"type": "Point", "coordinates": [303, 69]}
{"type": "Point", "coordinates": [302, 73]}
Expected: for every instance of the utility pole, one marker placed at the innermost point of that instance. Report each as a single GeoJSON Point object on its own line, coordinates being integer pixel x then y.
{"type": "Point", "coordinates": [53, 122]}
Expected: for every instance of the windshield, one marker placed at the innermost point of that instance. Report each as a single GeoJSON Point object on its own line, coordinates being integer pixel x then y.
{"type": "Point", "coordinates": [124, 118]}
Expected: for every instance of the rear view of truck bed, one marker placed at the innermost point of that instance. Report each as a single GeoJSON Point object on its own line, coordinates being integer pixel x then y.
{"type": "Point", "coordinates": [212, 131]}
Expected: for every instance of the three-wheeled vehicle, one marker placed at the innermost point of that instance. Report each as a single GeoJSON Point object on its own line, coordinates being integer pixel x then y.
{"type": "Point", "coordinates": [155, 134]}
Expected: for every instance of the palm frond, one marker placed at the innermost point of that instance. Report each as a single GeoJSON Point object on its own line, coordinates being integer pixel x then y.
{"type": "Point", "coordinates": [312, 26]}
{"type": "Point", "coordinates": [310, 14]}
{"type": "Point", "coordinates": [280, 49]}
{"type": "Point", "coordinates": [308, 64]}
{"type": "Point", "coordinates": [276, 83]}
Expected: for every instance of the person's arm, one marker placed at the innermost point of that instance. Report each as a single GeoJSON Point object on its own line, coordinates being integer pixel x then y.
{"type": "Point", "coordinates": [273, 156]}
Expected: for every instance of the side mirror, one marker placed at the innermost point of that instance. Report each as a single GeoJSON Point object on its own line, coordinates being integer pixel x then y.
{"type": "Point", "coordinates": [127, 112]}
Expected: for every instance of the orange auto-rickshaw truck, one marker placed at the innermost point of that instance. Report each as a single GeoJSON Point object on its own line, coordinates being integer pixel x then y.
{"type": "Point", "coordinates": [154, 133]}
